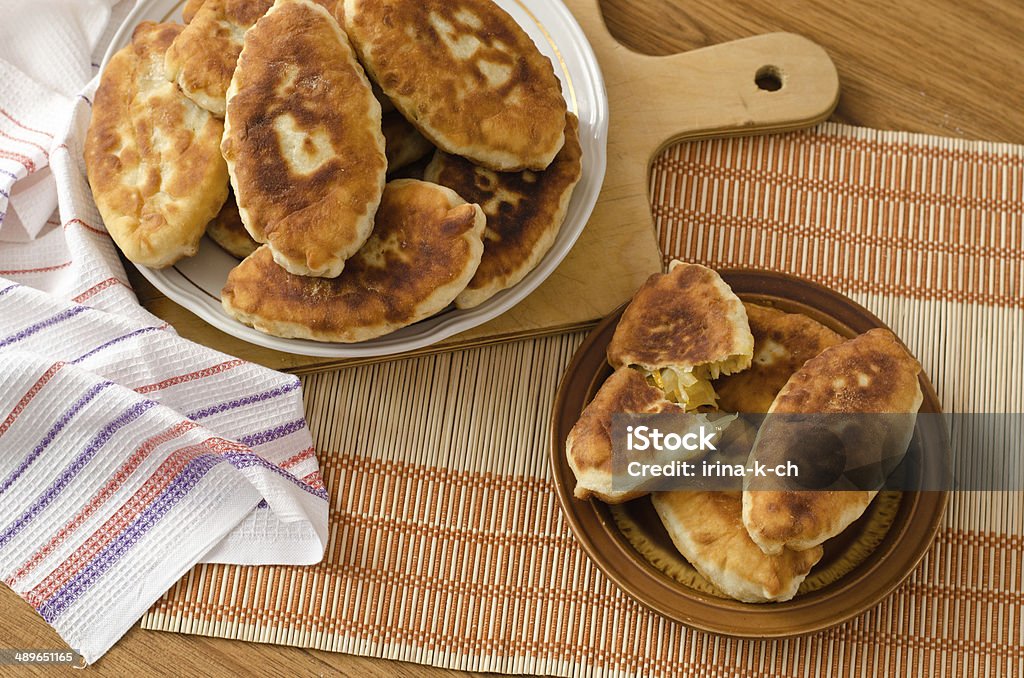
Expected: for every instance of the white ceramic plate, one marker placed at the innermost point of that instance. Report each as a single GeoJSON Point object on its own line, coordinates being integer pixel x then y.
{"type": "Point", "coordinates": [195, 283]}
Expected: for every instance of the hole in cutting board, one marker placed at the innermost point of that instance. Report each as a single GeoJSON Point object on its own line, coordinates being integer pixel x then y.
{"type": "Point", "coordinates": [768, 78]}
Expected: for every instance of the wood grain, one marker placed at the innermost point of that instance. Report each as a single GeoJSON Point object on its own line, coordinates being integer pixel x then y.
{"type": "Point", "coordinates": [938, 66]}
{"type": "Point", "coordinates": [943, 67]}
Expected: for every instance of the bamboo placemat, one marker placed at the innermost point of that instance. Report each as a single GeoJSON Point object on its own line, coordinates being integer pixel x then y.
{"type": "Point", "coordinates": [447, 544]}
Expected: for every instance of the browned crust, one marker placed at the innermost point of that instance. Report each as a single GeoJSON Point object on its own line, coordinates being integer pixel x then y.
{"type": "Point", "coordinates": [423, 251]}
{"type": "Point", "coordinates": [228, 231]}
{"type": "Point", "coordinates": [505, 125]}
{"type": "Point", "coordinates": [303, 140]}
{"type": "Point", "coordinates": [779, 519]}
{"type": "Point", "coordinates": [589, 445]}
{"type": "Point", "coordinates": [202, 59]}
{"type": "Point", "coordinates": [707, 529]}
{"type": "Point", "coordinates": [685, 317]}
{"type": "Point", "coordinates": [524, 212]}
{"type": "Point", "coordinates": [872, 373]}
{"type": "Point", "coordinates": [783, 342]}
{"type": "Point", "coordinates": [152, 156]}
{"type": "Point", "coordinates": [829, 382]}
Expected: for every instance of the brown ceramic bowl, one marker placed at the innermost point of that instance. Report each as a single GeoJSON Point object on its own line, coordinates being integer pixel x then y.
{"type": "Point", "coordinates": [913, 527]}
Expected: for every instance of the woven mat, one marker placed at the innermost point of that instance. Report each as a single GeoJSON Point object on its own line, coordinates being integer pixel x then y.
{"type": "Point", "coordinates": [447, 543]}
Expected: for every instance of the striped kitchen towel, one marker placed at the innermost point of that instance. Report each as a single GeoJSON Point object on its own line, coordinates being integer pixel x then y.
{"type": "Point", "coordinates": [127, 454]}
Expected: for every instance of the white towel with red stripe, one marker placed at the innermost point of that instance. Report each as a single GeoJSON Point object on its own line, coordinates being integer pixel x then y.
{"type": "Point", "coordinates": [127, 454]}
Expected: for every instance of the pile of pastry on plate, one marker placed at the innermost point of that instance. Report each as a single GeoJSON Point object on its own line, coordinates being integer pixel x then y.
{"type": "Point", "coordinates": [687, 343]}
{"type": "Point", "coordinates": [296, 134]}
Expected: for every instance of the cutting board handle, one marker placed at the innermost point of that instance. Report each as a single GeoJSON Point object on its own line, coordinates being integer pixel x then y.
{"type": "Point", "coordinates": [724, 90]}
{"type": "Point", "coordinates": [766, 83]}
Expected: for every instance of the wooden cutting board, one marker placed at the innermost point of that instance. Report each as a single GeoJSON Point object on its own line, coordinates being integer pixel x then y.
{"type": "Point", "coordinates": [768, 83]}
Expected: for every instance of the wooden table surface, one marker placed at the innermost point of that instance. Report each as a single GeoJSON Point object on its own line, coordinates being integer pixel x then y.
{"type": "Point", "coordinates": [934, 66]}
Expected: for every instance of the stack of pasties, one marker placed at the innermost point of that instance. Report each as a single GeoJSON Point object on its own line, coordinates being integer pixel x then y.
{"type": "Point", "coordinates": [685, 336]}
{"type": "Point", "coordinates": [308, 107]}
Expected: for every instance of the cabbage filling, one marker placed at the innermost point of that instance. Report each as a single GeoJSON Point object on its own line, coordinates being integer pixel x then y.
{"type": "Point", "coordinates": [691, 387]}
